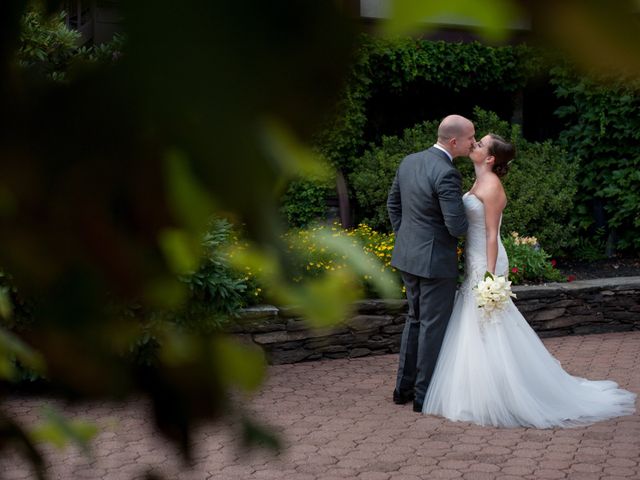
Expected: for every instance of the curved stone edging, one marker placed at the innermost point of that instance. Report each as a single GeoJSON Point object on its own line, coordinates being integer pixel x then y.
{"type": "Point", "coordinates": [580, 307]}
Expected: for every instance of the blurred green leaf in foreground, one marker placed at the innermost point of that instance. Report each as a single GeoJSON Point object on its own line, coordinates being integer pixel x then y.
{"type": "Point", "coordinates": [110, 173]}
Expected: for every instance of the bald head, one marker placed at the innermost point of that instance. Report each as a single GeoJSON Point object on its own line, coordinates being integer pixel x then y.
{"type": "Point", "coordinates": [456, 135]}
{"type": "Point", "coordinates": [453, 126]}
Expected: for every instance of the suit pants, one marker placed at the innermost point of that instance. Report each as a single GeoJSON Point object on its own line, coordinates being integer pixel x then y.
{"type": "Point", "coordinates": [430, 306]}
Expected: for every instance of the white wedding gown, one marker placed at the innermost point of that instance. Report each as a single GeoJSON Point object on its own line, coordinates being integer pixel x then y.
{"type": "Point", "coordinates": [496, 371]}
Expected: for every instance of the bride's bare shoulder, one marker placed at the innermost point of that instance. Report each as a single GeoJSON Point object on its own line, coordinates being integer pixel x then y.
{"type": "Point", "coordinates": [491, 191]}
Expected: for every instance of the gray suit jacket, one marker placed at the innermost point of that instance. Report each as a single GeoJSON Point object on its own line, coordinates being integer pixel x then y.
{"type": "Point", "coordinates": [427, 215]}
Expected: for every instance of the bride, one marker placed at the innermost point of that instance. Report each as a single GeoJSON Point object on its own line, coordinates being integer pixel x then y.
{"type": "Point", "coordinates": [494, 370]}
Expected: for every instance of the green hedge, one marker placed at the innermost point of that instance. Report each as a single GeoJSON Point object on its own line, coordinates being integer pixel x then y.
{"type": "Point", "coordinates": [305, 202]}
{"type": "Point", "coordinates": [602, 115]}
{"type": "Point", "coordinates": [394, 66]}
{"type": "Point", "coordinates": [540, 185]}
{"type": "Point", "coordinates": [374, 171]}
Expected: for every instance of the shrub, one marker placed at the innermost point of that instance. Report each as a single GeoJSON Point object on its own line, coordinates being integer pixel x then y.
{"type": "Point", "coordinates": [305, 202]}
{"type": "Point", "coordinates": [540, 184]}
{"type": "Point", "coordinates": [313, 259]}
{"type": "Point", "coordinates": [49, 48]}
{"type": "Point", "coordinates": [374, 171]}
{"type": "Point", "coordinates": [528, 262]}
{"type": "Point", "coordinates": [217, 292]}
{"type": "Point", "coordinates": [602, 115]}
{"type": "Point", "coordinates": [590, 248]}
{"type": "Point", "coordinates": [16, 314]}
{"type": "Point", "coordinates": [15, 310]}
{"type": "Point", "coordinates": [540, 187]}
{"type": "Point", "coordinates": [46, 44]}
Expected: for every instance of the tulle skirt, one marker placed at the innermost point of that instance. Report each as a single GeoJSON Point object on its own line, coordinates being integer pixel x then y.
{"type": "Point", "coordinates": [499, 373]}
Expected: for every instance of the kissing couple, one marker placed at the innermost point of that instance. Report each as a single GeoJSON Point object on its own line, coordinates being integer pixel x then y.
{"type": "Point", "coordinates": [456, 359]}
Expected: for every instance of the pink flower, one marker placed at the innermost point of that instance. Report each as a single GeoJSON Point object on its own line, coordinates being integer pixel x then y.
{"type": "Point", "coordinates": [553, 262]}
{"type": "Point", "coordinates": [571, 278]}
{"type": "Point", "coordinates": [514, 270]}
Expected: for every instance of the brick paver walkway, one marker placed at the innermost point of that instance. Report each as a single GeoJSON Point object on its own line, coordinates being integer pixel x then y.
{"type": "Point", "coordinates": [338, 422]}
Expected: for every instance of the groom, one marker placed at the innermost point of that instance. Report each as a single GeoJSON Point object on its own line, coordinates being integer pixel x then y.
{"type": "Point", "coordinates": [427, 215]}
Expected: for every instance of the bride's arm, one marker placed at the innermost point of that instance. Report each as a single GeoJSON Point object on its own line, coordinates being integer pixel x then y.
{"type": "Point", "coordinates": [494, 203]}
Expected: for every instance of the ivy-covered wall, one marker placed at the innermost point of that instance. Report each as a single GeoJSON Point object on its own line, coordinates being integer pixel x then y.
{"type": "Point", "coordinates": [395, 84]}
{"type": "Point", "coordinates": [602, 133]}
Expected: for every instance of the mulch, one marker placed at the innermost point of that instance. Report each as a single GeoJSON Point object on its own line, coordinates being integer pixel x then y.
{"type": "Point", "coordinates": [618, 266]}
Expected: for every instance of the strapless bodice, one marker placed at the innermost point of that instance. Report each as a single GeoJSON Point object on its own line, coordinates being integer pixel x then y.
{"type": "Point", "coordinates": [475, 248]}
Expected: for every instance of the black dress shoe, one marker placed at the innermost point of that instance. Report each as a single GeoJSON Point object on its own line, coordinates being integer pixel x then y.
{"type": "Point", "coordinates": [417, 406]}
{"type": "Point", "coordinates": [400, 398]}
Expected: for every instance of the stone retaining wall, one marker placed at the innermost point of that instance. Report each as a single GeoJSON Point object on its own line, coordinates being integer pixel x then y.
{"type": "Point", "coordinates": [588, 306]}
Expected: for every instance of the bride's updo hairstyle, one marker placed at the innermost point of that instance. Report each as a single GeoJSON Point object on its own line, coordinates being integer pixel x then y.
{"type": "Point", "coordinates": [503, 152]}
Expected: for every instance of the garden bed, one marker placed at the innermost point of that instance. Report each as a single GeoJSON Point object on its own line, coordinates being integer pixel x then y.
{"type": "Point", "coordinates": [619, 266]}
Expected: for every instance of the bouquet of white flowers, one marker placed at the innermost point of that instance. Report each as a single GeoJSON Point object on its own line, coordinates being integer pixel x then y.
{"type": "Point", "coordinates": [493, 293]}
